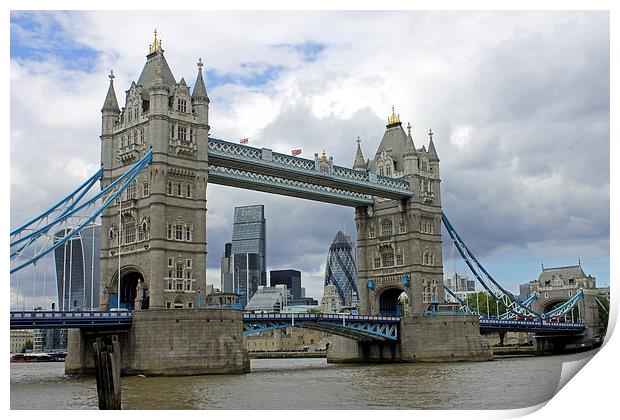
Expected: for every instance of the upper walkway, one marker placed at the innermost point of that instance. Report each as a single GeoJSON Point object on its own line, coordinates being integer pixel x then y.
{"type": "Point", "coordinates": [248, 167]}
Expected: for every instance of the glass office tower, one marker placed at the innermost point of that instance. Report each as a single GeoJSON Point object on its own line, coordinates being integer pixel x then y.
{"type": "Point", "coordinates": [77, 269]}
{"type": "Point", "coordinates": [341, 271]}
{"type": "Point", "coordinates": [248, 251]}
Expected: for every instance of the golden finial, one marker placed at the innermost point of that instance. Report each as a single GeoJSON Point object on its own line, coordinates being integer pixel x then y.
{"type": "Point", "coordinates": [394, 118]}
{"type": "Point", "coordinates": [156, 45]}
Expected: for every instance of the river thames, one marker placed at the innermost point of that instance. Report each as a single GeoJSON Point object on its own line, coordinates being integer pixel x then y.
{"type": "Point", "coordinates": [503, 383]}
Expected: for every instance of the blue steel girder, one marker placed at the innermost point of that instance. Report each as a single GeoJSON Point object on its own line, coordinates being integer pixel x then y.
{"type": "Point", "coordinates": [535, 326]}
{"type": "Point", "coordinates": [272, 184]}
{"type": "Point", "coordinates": [360, 328]}
{"type": "Point", "coordinates": [71, 319]}
{"type": "Point", "coordinates": [265, 162]}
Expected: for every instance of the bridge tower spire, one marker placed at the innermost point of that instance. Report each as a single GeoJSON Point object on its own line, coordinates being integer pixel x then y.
{"type": "Point", "coordinates": [163, 245]}
{"type": "Point", "coordinates": [359, 163]}
{"type": "Point", "coordinates": [399, 242]}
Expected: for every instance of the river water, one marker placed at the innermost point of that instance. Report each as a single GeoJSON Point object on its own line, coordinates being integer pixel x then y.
{"type": "Point", "coordinates": [309, 384]}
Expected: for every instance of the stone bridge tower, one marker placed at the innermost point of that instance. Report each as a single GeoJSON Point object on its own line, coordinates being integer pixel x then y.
{"type": "Point", "coordinates": [399, 243]}
{"type": "Point", "coordinates": [160, 231]}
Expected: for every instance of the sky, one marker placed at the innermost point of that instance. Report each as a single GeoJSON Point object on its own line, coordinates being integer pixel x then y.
{"type": "Point", "coordinates": [518, 103]}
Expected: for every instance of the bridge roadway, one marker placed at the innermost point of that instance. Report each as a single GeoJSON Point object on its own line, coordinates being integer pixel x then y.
{"type": "Point", "coordinates": [358, 327]}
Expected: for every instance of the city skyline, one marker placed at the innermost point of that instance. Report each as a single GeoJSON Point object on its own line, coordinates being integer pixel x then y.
{"type": "Point", "coordinates": [494, 132]}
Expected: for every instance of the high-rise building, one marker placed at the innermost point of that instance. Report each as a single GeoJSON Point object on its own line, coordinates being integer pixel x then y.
{"type": "Point", "coordinates": [458, 283]}
{"type": "Point", "coordinates": [226, 277]}
{"type": "Point", "coordinates": [248, 251]}
{"type": "Point", "coordinates": [341, 271]}
{"type": "Point", "coordinates": [524, 291]}
{"type": "Point", "coordinates": [77, 269]}
{"type": "Point", "coordinates": [291, 278]}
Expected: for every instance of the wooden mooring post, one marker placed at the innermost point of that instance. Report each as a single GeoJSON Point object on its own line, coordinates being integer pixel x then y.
{"type": "Point", "coordinates": [107, 352]}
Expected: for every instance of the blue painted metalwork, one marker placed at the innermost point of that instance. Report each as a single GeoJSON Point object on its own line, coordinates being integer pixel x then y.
{"type": "Point", "coordinates": [359, 327]}
{"type": "Point", "coordinates": [600, 304]}
{"type": "Point", "coordinates": [494, 324]}
{"type": "Point", "coordinates": [371, 284]}
{"type": "Point", "coordinates": [282, 185]}
{"type": "Point", "coordinates": [251, 160]}
{"type": "Point", "coordinates": [127, 177]}
{"type": "Point", "coordinates": [406, 282]}
{"type": "Point", "coordinates": [70, 319]}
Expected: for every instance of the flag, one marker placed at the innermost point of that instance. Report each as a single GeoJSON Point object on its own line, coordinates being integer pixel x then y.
{"type": "Point", "coordinates": [244, 141]}
{"type": "Point", "coordinates": [296, 152]}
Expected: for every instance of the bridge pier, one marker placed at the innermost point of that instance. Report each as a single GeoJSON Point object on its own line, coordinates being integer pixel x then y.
{"type": "Point", "coordinates": [170, 342]}
{"type": "Point", "coordinates": [440, 338]}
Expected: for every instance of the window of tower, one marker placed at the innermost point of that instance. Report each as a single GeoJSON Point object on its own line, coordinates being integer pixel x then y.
{"type": "Point", "coordinates": [142, 135]}
{"type": "Point", "coordinates": [169, 188]}
{"type": "Point", "coordinates": [181, 105]}
{"type": "Point", "coordinates": [377, 262]}
{"type": "Point", "coordinates": [181, 133]}
{"type": "Point", "coordinates": [188, 191]}
{"type": "Point", "coordinates": [129, 229]}
{"type": "Point", "coordinates": [179, 189]}
{"type": "Point", "coordinates": [372, 233]}
{"type": "Point", "coordinates": [388, 170]}
{"type": "Point", "coordinates": [387, 258]}
{"type": "Point", "coordinates": [179, 232]}
{"type": "Point", "coordinates": [169, 235]}
{"type": "Point", "coordinates": [381, 170]}
{"type": "Point", "coordinates": [188, 233]}
{"type": "Point", "coordinates": [145, 189]}
{"type": "Point", "coordinates": [386, 227]}
{"type": "Point", "coordinates": [132, 191]}
{"type": "Point", "coordinates": [399, 259]}
{"type": "Point", "coordinates": [171, 131]}
{"type": "Point", "coordinates": [401, 228]}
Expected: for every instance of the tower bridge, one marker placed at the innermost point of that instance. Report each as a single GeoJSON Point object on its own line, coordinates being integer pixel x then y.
{"type": "Point", "coordinates": [157, 160]}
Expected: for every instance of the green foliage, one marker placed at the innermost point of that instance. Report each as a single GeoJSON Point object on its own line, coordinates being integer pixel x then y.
{"type": "Point", "coordinates": [27, 346]}
{"type": "Point", "coordinates": [479, 301]}
{"type": "Point", "coordinates": [603, 315]}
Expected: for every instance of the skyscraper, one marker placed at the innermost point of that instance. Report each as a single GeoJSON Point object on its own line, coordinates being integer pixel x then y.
{"type": "Point", "coordinates": [226, 278]}
{"type": "Point", "coordinates": [341, 271]}
{"type": "Point", "coordinates": [77, 269]}
{"type": "Point", "coordinates": [248, 265]}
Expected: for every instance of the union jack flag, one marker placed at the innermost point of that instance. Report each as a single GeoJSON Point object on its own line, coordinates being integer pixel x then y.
{"type": "Point", "coordinates": [296, 152]}
{"type": "Point", "coordinates": [244, 141]}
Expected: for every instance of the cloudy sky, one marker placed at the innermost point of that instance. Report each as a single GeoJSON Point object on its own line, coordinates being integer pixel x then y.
{"type": "Point", "coordinates": [518, 102]}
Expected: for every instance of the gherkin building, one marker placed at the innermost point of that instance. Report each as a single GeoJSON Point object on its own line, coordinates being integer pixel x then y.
{"type": "Point", "coordinates": [341, 270]}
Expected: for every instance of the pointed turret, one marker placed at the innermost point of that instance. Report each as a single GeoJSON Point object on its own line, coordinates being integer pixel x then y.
{"type": "Point", "coordinates": [200, 90]}
{"type": "Point", "coordinates": [409, 146]}
{"type": "Point", "coordinates": [111, 104]}
{"type": "Point", "coordinates": [200, 100]}
{"type": "Point", "coordinates": [359, 163]}
{"type": "Point", "coordinates": [432, 153]}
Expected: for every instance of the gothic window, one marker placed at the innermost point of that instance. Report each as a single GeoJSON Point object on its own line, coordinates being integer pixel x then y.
{"type": "Point", "coordinates": [144, 232]}
{"type": "Point", "coordinates": [135, 137]}
{"type": "Point", "coordinates": [170, 262]}
{"type": "Point", "coordinates": [129, 229]}
{"type": "Point", "coordinates": [141, 135]}
{"type": "Point", "coordinates": [181, 133]}
{"type": "Point", "coordinates": [179, 271]}
{"type": "Point", "coordinates": [179, 189]}
{"type": "Point", "coordinates": [172, 131]}
{"type": "Point", "coordinates": [188, 263]}
{"type": "Point", "coordinates": [386, 227]}
{"type": "Point", "coordinates": [387, 258]}
{"type": "Point", "coordinates": [132, 191]}
{"type": "Point", "coordinates": [388, 170]}
{"type": "Point", "coordinates": [377, 262]}
{"type": "Point", "coordinates": [188, 233]}
{"type": "Point", "coordinates": [191, 134]}
{"type": "Point", "coordinates": [372, 232]}
{"type": "Point", "coordinates": [169, 282]}
{"type": "Point", "coordinates": [169, 236]}
{"type": "Point", "coordinates": [181, 105]}
{"type": "Point", "coordinates": [188, 191]}
{"type": "Point", "coordinates": [169, 304]}
{"type": "Point", "coordinates": [169, 188]}
{"type": "Point", "coordinates": [179, 232]}
{"type": "Point", "coordinates": [399, 259]}
{"type": "Point", "coordinates": [178, 303]}
{"type": "Point", "coordinates": [401, 228]}
{"type": "Point", "coordinates": [112, 233]}
{"type": "Point", "coordinates": [381, 170]}
{"type": "Point", "coordinates": [145, 189]}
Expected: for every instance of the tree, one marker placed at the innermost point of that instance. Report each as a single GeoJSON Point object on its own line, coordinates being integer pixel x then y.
{"type": "Point", "coordinates": [27, 346]}
{"type": "Point", "coordinates": [479, 301]}
{"type": "Point", "coordinates": [603, 313]}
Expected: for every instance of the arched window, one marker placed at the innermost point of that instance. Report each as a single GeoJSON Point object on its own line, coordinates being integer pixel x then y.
{"type": "Point", "coordinates": [169, 188]}
{"type": "Point", "coordinates": [178, 303]}
{"type": "Point", "coordinates": [381, 170]}
{"type": "Point", "coordinates": [388, 170]}
{"type": "Point", "coordinates": [132, 190]}
{"type": "Point", "coordinates": [386, 227]}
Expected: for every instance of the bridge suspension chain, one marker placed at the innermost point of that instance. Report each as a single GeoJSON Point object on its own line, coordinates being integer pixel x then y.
{"type": "Point", "coordinates": [70, 217]}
